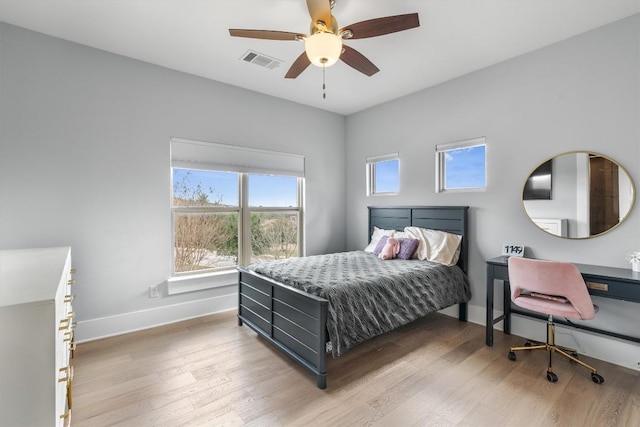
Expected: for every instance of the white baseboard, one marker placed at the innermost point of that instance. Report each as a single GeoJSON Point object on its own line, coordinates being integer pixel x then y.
{"type": "Point", "coordinates": [602, 347]}
{"type": "Point", "coordinates": [103, 327]}
{"type": "Point", "coordinates": [609, 349]}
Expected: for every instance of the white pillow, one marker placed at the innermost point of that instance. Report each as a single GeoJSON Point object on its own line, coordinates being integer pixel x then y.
{"type": "Point", "coordinates": [378, 233]}
{"type": "Point", "coordinates": [436, 246]}
{"type": "Point", "coordinates": [402, 235]}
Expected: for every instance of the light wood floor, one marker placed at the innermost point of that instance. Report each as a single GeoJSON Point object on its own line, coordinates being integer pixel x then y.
{"type": "Point", "coordinates": [435, 372]}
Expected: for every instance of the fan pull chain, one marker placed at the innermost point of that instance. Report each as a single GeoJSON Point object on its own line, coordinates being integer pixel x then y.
{"type": "Point", "coordinates": [324, 93]}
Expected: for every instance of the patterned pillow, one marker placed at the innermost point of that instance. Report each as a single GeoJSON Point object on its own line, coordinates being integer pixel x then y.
{"type": "Point", "coordinates": [407, 248]}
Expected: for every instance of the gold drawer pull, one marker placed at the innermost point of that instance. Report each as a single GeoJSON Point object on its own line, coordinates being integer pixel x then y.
{"type": "Point", "coordinates": [71, 282]}
{"type": "Point", "coordinates": [70, 315]}
{"type": "Point", "coordinates": [598, 286]}
{"type": "Point", "coordinates": [69, 298]}
{"type": "Point", "coordinates": [68, 336]}
{"type": "Point", "coordinates": [65, 415]}
{"type": "Point", "coordinates": [70, 390]}
{"type": "Point", "coordinates": [65, 324]}
{"type": "Point", "coordinates": [72, 271]}
{"type": "Point", "coordinates": [68, 374]}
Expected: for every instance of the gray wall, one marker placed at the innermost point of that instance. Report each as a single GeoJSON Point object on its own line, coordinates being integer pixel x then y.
{"type": "Point", "coordinates": [579, 94]}
{"type": "Point", "coordinates": [84, 161]}
{"type": "Point", "coordinates": [84, 156]}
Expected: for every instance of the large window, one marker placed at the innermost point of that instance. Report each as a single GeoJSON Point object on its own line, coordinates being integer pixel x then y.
{"type": "Point", "coordinates": [215, 227]}
{"type": "Point", "coordinates": [461, 166]}
{"type": "Point", "coordinates": [383, 174]}
{"type": "Point", "coordinates": [222, 218]}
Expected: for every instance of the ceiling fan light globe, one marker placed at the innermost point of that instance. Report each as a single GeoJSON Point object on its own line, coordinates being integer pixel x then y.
{"type": "Point", "coordinates": [323, 48]}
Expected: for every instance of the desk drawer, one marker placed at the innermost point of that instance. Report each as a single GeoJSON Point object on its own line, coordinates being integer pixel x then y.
{"type": "Point", "coordinates": [612, 288]}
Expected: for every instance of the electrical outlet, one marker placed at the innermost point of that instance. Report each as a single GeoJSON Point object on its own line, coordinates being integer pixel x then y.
{"type": "Point", "coordinates": [154, 292]}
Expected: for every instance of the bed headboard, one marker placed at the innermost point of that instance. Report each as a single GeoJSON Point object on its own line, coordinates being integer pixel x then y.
{"type": "Point", "coordinates": [452, 219]}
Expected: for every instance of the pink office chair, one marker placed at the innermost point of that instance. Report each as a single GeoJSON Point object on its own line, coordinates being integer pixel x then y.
{"type": "Point", "coordinates": [555, 289]}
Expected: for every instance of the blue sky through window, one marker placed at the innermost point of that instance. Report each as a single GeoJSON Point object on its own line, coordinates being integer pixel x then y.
{"type": "Point", "coordinates": [264, 190]}
{"type": "Point", "coordinates": [387, 176]}
{"type": "Point", "coordinates": [465, 168]}
{"type": "Point", "coordinates": [273, 191]}
{"type": "Point", "coordinates": [218, 186]}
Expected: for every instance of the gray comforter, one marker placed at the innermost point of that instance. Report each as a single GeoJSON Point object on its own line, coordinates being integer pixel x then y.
{"type": "Point", "coordinates": [368, 296]}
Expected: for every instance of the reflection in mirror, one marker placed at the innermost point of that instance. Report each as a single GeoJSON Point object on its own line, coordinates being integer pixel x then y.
{"type": "Point", "coordinates": [578, 195]}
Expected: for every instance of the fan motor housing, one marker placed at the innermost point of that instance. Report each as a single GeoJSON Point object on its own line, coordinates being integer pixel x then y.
{"type": "Point", "coordinates": [322, 26]}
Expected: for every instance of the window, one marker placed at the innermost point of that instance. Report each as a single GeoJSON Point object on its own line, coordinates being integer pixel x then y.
{"type": "Point", "coordinates": [205, 219]}
{"type": "Point", "coordinates": [222, 218]}
{"type": "Point", "coordinates": [461, 166]}
{"type": "Point", "coordinates": [273, 206]}
{"type": "Point", "coordinates": [383, 174]}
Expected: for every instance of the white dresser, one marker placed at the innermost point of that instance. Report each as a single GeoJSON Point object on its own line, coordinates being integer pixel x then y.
{"type": "Point", "coordinates": [36, 330]}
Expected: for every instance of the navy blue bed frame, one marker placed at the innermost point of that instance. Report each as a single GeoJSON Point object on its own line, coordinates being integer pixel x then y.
{"type": "Point", "coordinates": [295, 321]}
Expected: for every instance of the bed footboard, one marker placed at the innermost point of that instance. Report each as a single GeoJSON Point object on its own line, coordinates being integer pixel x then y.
{"type": "Point", "coordinates": [290, 319]}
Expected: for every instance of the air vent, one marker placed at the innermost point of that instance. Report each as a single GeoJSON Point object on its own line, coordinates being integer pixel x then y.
{"type": "Point", "coordinates": [261, 59]}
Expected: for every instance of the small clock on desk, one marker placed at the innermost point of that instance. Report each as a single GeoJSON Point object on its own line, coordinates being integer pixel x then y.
{"type": "Point", "coordinates": [513, 250]}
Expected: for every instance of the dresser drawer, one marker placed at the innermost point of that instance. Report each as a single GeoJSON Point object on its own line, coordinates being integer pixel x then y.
{"type": "Point", "coordinates": [36, 317]}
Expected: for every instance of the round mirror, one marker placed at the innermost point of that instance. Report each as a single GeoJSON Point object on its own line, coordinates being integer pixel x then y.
{"type": "Point", "coordinates": [578, 195]}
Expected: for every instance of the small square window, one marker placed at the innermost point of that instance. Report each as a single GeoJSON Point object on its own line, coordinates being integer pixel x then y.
{"type": "Point", "coordinates": [461, 166]}
{"type": "Point", "coordinates": [383, 175]}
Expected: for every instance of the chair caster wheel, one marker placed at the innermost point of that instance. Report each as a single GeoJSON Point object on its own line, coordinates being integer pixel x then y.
{"type": "Point", "coordinates": [512, 355]}
{"type": "Point", "coordinates": [551, 377]}
{"type": "Point", "coordinates": [597, 378]}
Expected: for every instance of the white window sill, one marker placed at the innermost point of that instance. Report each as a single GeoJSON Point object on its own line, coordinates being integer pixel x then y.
{"type": "Point", "coordinates": [198, 282]}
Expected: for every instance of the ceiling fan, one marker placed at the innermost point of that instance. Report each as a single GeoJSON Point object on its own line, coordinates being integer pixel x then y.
{"type": "Point", "coordinates": [323, 47]}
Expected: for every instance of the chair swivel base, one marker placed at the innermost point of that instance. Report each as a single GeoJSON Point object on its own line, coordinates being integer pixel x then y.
{"type": "Point", "coordinates": [551, 348]}
{"type": "Point", "coordinates": [551, 376]}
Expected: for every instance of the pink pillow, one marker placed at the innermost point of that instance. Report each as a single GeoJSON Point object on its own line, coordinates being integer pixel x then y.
{"type": "Point", "coordinates": [407, 248]}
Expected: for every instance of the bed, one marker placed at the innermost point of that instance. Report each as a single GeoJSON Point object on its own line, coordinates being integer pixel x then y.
{"type": "Point", "coordinates": [299, 317]}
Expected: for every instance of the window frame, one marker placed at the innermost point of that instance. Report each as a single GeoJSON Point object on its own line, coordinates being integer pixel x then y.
{"type": "Point", "coordinates": [371, 163]}
{"type": "Point", "coordinates": [244, 212]}
{"type": "Point", "coordinates": [440, 167]}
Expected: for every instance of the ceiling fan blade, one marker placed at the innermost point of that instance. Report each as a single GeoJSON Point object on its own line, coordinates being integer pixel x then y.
{"type": "Point", "coordinates": [298, 66]}
{"type": "Point", "coordinates": [265, 34]}
{"type": "Point", "coordinates": [382, 26]}
{"type": "Point", "coordinates": [355, 59]}
{"type": "Point", "coordinates": [319, 10]}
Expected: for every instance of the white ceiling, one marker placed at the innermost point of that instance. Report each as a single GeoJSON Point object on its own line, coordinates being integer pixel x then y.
{"type": "Point", "coordinates": [455, 37]}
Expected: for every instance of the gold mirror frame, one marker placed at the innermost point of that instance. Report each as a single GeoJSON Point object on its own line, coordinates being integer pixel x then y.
{"type": "Point", "coordinates": [579, 182]}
